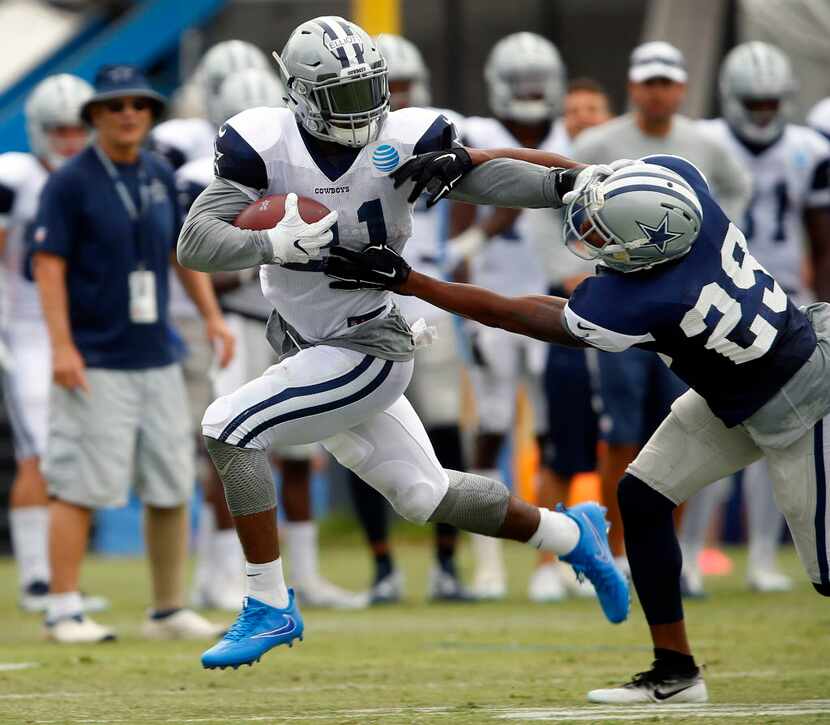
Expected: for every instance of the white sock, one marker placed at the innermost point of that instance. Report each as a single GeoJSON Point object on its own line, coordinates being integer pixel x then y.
{"type": "Point", "coordinates": [266, 583]}
{"type": "Point", "coordinates": [64, 605]}
{"type": "Point", "coordinates": [227, 552]}
{"type": "Point", "coordinates": [30, 541]}
{"type": "Point", "coordinates": [488, 555]}
{"type": "Point", "coordinates": [557, 533]}
{"type": "Point", "coordinates": [204, 552]}
{"type": "Point", "coordinates": [301, 539]}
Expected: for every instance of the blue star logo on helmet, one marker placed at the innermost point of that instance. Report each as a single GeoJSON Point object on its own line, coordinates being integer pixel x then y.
{"type": "Point", "coordinates": [660, 235]}
{"type": "Point", "coordinates": [386, 158]}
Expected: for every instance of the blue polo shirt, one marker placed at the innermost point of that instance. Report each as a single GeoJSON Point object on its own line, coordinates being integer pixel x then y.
{"type": "Point", "coordinates": [82, 218]}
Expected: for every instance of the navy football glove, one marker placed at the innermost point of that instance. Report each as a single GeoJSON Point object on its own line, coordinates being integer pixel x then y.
{"type": "Point", "coordinates": [437, 172]}
{"type": "Point", "coordinates": [377, 267]}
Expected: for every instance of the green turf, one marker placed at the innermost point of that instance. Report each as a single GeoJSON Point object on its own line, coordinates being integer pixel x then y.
{"type": "Point", "coordinates": [418, 663]}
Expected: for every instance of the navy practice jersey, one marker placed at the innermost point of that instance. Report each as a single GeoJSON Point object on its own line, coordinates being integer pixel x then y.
{"type": "Point", "coordinates": [716, 316]}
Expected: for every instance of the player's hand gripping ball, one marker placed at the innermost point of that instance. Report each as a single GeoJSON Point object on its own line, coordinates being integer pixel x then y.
{"type": "Point", "coordinates": [297, 227]}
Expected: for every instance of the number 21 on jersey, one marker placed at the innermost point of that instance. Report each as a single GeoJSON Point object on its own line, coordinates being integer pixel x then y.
{"type": "Point", "coordinates": [371, 214]}
{"type": "Point", "coordinates": [759, 333]}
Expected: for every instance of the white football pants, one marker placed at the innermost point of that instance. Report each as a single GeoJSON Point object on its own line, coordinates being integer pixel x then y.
{"type": "Point", "coordinates": [353, 404]}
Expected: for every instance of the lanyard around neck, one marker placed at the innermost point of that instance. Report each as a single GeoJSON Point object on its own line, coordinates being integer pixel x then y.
{"type": "Point", "coordinates": [133, 212]}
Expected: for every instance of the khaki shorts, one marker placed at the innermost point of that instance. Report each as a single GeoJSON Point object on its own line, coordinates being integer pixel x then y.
{"type": "Point", "coordinates": [132, 428]}
{"type": "Point", "coordinates": [692, 448]}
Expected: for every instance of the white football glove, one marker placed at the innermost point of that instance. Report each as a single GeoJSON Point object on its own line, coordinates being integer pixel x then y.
{"type": "Point", "coordinates": [294, 240]}
{"type": "Point", "coordinates": [596, 172]}
{"type": "Point", "coordinates": [465, 246]}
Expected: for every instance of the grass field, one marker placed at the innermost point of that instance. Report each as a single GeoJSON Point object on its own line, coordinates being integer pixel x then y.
{"type": "Point", "coordinates": [511, 662]}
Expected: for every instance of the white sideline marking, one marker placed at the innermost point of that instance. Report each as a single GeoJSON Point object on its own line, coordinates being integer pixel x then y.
{"type": "Point", "coordinates": [12, 666]}
{"type": "Point", "coordinates": [637, 712]}
{"type": "Point", "coordinates": [595, 713]}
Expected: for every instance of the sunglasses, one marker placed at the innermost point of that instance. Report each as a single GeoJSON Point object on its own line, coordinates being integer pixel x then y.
{"type": "Point", "coordinates": [119, 104]}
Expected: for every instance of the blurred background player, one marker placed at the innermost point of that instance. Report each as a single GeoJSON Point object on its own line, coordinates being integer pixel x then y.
{"type": "Point", "coordinates": [218, 579]}
{"type": "Point", "coordinates": [182, 141]}
{"type": "Point", "coordinates": [525, 80]}
{"type": "Point", "coordinates": [635, 388]}
{"type": "Point", "coordinates": [790, 165]}
{"type": "Point", "coordinates": [56, 133]}
{"type": "Point", "coordinates": [118, 407]}
{"type": "Point", "coordinates": [571, 442]}
{"type": "Point", "coordinates": [435, 389]}
{"type": "Point", "coordinates": [819, 117]}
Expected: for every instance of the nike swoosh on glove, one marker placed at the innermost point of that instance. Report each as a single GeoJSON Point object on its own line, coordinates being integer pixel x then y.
{"type": "Point", "coordinates": [437, 172]}
{"type": "Point", "coordinates": [294, 240]}
{"type": "Point", "coordinates": [377, 267]}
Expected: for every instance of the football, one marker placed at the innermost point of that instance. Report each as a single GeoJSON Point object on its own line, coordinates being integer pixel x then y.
{"type": "Point", "coordinates": [265, 213]}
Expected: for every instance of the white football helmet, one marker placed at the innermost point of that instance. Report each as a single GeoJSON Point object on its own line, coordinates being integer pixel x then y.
{"type": "Point", "coordinates": [55, 102]}
{"type": "Point", "coordinates": [639, 216]}
{"type": "Point", "coordinates": [405, 63]}
{"type": "Point", "coordinates": [525, 78]}
{"type": "Point", "coordinates": [248, 89]}
{"type": "Point", "coordinates": [336, 81]}
{"type": "Point", "coordinates": [222, 60]}
{"type": "Point", "coordinates": [757, 72]}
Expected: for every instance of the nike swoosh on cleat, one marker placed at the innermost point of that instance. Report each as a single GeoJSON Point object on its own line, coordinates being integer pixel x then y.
{"type": "Point", "coordinates": [297, 245]}
{"type": "Point", "coordinates": [660, 695]}
{"type": "Point", "coordinates": [287, 627]}
{"type": "Point", "coordinates": [603, 555]}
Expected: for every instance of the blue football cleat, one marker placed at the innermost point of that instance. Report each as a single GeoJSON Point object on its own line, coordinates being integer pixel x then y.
{"type": "Point", "coordinates": [258, 628]}
{"type": "Point", "coordinates": [592, 558]}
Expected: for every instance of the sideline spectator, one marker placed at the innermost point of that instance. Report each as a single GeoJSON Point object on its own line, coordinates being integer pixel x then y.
{"type": "Point", "coordinates": [106, 232]}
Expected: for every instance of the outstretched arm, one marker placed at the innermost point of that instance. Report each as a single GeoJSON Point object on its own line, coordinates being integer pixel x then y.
{"type": "Point", "coordinates": [532, 156]}
{"type": "Point", "coordinates": [537, 316]}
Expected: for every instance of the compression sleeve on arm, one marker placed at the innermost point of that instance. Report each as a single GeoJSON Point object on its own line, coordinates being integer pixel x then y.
{"type": "Point", "coordinates": [209, 242]}
{"type": "Point", "coordinates": [508, 183]}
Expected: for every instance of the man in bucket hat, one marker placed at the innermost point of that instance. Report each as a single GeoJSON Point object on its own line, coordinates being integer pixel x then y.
{"type": "Point", "coordinates": [107, 225]}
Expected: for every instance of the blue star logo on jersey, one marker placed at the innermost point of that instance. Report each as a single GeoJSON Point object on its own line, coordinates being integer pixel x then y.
{"type": "Point", "coordinates": [660, 235]}
{"type": "Point", "coordinates": [386, 158]}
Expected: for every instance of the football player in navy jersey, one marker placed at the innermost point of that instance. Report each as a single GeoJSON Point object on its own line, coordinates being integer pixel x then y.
{"type": "Point", "coordinates": [676, 277]}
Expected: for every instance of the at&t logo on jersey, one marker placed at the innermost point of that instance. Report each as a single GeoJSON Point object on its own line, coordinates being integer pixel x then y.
{"type": "Point", "coordinates": [386, 158]}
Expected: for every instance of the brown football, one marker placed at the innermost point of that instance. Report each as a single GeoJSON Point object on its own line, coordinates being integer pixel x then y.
{"type": "Point", "coordinates": [266, 212]}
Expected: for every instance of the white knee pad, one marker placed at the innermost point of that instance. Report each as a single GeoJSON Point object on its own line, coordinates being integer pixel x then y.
{"type": "Point", "coordinates": [392, 453]}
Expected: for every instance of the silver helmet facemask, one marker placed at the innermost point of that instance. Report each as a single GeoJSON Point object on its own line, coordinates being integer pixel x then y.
{"type": "Point", "coordinates": [336, 81]}
{"type": "Point", "coordinates": [634, 219]}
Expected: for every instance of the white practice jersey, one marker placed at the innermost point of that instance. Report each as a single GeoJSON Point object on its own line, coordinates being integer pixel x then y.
{"type": "Point", "coordinates": [22, 177]}
{"type": "Point", "coordinates": [263, 151]}
{"type": "Point", "coordinates": [181, 140]}
{"type": "Point", "coordinates": [791, 175]}
{"type": "Point", "coordinates": [425, 250]}
{"type": "Point", "coordinates": [509, 263]}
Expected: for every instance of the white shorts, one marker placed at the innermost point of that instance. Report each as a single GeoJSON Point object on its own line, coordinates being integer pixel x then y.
{"type": "Point", "coordinates": [26, 386]}
{"type": "Point", "coordinates": [693, 448]}
{"type": "Point", "coordinates": [435, 390]}
{"type": "Point", "coordinates": [254, 355]}
{"type": "Point", "coordinates": [133, 427]}
{"type": "Point", "coordinates": [353, 403]}
{"type": "Point", "coordinates": [503, 361]}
